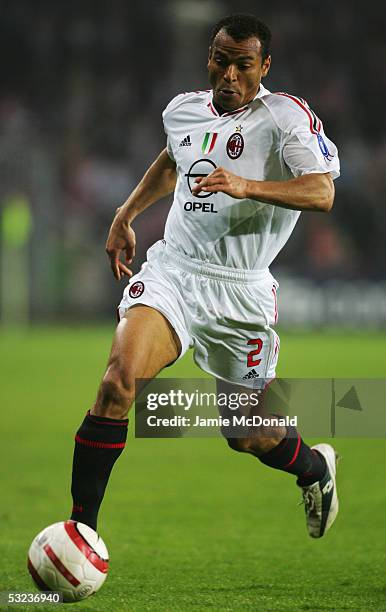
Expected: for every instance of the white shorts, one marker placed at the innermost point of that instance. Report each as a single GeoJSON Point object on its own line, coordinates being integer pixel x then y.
{"type": "Point", "coordinates": [225, 314]}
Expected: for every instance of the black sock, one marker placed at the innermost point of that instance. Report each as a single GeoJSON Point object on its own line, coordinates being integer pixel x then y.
{"type": "Point", "coordinates": [294, 456]}
{"type": "Point", "coordinates": [98, 443]}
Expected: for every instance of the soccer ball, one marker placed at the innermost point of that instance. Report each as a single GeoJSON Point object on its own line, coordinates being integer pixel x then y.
{"type": "Point", "coordinates": [69, 557]}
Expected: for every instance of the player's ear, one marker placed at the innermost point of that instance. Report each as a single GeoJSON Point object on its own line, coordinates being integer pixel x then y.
{"type": "Point", "coordinates": [209, 53]}
{"type": "Point", "coordinates": [266, 66]}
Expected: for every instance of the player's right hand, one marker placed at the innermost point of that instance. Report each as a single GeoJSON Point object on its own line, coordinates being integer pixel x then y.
{"type": "Point", "coordinates": [121, 239]}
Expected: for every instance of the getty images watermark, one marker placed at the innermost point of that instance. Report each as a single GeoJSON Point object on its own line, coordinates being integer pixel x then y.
{"type": "Point", "coordinates": [320, 407]}
{"type": "Point", "coordinates": [198, 400]}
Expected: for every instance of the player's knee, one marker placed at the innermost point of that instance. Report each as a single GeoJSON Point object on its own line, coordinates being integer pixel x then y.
{"type": "Point", "coordinates": [116, 392]}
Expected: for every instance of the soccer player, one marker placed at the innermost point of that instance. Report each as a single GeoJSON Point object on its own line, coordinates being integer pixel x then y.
{"type": "Point", "coordinates": [243, 163]}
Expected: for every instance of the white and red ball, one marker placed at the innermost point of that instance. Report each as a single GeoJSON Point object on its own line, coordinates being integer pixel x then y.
{"type": "Point", "coordinates": [69, 557]}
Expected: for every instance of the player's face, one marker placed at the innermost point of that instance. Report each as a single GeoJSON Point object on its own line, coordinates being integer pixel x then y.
{"type": "Point", "coordinates": [235, 70]}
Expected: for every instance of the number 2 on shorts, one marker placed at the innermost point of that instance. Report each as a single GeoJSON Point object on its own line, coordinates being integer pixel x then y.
{"type": "Point", "coordinates": [251, 361]}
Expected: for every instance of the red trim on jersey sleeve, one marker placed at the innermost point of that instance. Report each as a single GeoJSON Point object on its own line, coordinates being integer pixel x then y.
{"type": "Point", "coordinates": [306, 110]}
{"type": "Point", "coordinates": [197, 91]}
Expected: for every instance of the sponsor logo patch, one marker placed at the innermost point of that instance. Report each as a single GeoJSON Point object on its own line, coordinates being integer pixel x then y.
{"type": "Point", "coordinates": [136, 289]}
{"type": "Point", "coordinates": [201, 167]}
{"type": "Point", "coordinates": [235, 145]}
{"type": "Point", "coordinates": [207, 207]}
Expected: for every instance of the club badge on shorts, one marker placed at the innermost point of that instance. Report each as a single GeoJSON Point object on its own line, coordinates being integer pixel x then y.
{"type": "Point", "coordinates": [235, 145]}
{"type": "Point", "coordinates": [136, 289]}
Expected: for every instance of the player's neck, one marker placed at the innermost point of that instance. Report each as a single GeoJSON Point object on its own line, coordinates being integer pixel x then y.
{"type": "Point", "coordinates": [218, 108]}
{"type": "Point", "coordinates": [222, 111]}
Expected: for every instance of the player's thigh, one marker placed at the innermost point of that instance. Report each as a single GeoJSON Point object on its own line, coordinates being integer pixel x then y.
{"type": "Point", "coordinates": [144, 343]}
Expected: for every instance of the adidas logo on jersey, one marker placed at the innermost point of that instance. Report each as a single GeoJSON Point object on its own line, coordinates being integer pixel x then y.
{"type": "Point", "coordinates": [185, 142]}
{"type": "Point", "coordinates": [251, 374]}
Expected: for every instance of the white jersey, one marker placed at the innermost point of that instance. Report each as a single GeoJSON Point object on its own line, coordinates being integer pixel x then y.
{"type": "Point", "coordinates": [273, 138]}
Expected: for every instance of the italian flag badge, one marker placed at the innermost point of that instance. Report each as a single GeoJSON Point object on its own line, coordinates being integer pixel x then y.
{"type": "Point", "coordinates": [209, 142]}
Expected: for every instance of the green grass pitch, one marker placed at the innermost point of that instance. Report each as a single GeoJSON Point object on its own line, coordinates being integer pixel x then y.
{"type": "Point", "coordinates": [190, 525]}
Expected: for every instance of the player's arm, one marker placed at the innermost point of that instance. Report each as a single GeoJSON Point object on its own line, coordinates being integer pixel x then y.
{"type": "Point", "coordinates": [307, 192]}
{"type": "Point", "coordinates": [158, 182]}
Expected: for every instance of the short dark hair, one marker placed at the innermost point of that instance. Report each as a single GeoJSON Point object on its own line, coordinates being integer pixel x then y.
{"type": "Point", "coordinates": [242, 26]}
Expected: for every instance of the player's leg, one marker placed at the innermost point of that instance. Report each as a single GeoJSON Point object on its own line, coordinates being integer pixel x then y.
{"type": "Point", "coordinates": [247, 354]}
{"type": "Point", "coordinates": [143, 344]}
{"type": "Point", "coordinates": [283, 448]}
{"type": "Point", "coordinates": [276, 446]}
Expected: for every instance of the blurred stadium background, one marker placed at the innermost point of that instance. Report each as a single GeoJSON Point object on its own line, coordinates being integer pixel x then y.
{"type": "Point", "coordinates": [83, 87]}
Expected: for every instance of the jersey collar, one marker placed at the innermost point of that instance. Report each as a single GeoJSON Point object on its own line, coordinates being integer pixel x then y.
{"type": "Point", "coordinates": [209, 102]}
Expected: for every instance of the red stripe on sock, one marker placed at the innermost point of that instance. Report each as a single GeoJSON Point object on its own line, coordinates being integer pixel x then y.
{"type": "Point", "coordinates": [85, 548]}
{"type": "Point", "coordinates": [36, 578]}
{"type": "Point", "coordinates": [114, 422]}
{"type": "Point", "coordinates": [96, 444]}
{"type": "Point", "coordinates": [295, 454]}
{"type": "Point", "coordinates": [60, 567]}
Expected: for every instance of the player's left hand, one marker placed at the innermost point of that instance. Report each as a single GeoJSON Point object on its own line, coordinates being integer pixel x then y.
{"type": "Point", "coordinates": [224, 181]}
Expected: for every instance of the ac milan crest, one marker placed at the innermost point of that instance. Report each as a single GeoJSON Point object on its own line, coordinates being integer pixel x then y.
{"type": "Point", "coordinates": [136, 289]}
{"type": "Point", "coordinates": [235, 145]}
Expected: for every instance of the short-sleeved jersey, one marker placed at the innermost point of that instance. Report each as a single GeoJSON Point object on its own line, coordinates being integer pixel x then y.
{"type": "Point", "coordinates": [273, 138]}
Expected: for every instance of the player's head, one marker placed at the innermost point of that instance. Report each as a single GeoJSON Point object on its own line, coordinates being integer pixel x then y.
{"type": "Point", "coordinates": [239, 56]}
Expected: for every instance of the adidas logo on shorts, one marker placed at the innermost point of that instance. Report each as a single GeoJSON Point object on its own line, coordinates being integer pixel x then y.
{"type": "Point", "coordinates": [251, 374]}
{"type": "Point", "coordinates": [185, 142]}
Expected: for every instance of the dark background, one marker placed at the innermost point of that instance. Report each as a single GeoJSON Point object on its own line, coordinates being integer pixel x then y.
{"type": "Point", "coordinates": [83, 87]}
